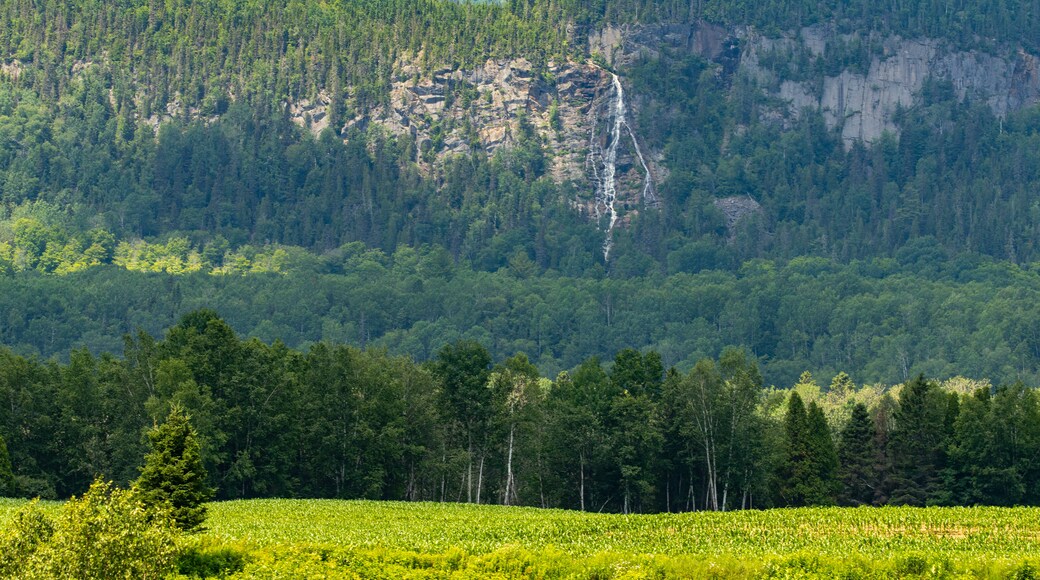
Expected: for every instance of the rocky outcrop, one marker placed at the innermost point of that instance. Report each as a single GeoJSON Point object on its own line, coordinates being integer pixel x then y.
{"type": "Point", "coordinates": [863, 104]}
{"type": "Point", "coordinates": [571, 107]}
{"type": "Point", "coordinates": [458, 112]}
{"type": "Point", "coordinates": [736, 208]}
{"type": "Point", "coordinates": [619, 46]}
{"type": "Point", "coordinates": [861, 101]}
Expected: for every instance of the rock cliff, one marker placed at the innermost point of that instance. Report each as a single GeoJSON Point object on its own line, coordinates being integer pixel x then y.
{"type": "Point", "coordinates": [891, 74]}
{"type": "Point", "coordinates": [573, 106]}
{"type": "Point", "coordinates": [576, 109]}
{"type": "Point", "coordinates": [861, 101]}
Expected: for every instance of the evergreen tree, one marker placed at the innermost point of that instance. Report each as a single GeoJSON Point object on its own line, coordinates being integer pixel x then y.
{"type": "Point", "coordinates": [842, 384]}
{"type": "Point", "coordinates": [857, 456]}
{"type": "Point", "coordinates": [6, 473]}
{"type": "Point", "coordinates": [173, 472]}
{"type": "Point", "coordinates": [916, 446]}
{"type": "Point", "coordinates": [823, 458]}
{"type": "Point", "coordinates": [808, 474]}
{"type": "Point", "coordinates": [883, 416]}
{"type": "Point", "coordinates": [795, 481]}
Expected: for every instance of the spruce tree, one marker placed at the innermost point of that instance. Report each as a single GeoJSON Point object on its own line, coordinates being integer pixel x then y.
{"type": "Point", "coordinates": [856, 456]}
{"type": "Point", "coordinates": [808, 474]}
{"type": "Point", "coordinates": [6, 473]}
{"type": "Point", "coordinates": [916, 445]}
{"type": "Point", "coordinates": [173, 473]}
{"type": "Point", "coordinates": [842, 384]}
{"type": "Point", "coordinates": [823, 459]}
{"type": "Point", "coordinates": [794, 474]}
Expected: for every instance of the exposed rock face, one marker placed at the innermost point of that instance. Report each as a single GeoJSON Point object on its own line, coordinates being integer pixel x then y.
{"type": "Point", "coordinates": [312, 115]}
{"type": "Point", "coordinates": [457, 112]}
{"type": "Point", "coordinates": [620, 45]}
{"type": "Point", "coordinates": [736, 208]}
{"type": "Point", "coordinates": [864, 104]}
{"type": "Point", "coordinates": [572, 107]}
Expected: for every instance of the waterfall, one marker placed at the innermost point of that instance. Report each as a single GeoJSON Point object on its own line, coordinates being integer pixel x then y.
{"type": "Point", "coordinates": [606, 184]}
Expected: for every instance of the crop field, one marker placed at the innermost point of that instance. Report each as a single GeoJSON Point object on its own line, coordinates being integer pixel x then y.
{"type": "Point", "coordinates": [359, 539]}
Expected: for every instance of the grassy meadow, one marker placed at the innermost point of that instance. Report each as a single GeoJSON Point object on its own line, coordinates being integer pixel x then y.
{"type": "Point", "coordinates": [360, 539]}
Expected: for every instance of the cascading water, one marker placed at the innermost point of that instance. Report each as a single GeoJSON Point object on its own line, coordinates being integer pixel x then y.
{"type": "Point", "coordinates": [606, 184]}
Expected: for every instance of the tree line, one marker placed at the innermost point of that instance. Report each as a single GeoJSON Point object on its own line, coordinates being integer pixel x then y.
{"type": "Point", "coordinates": [880, 320]}
{"type": "Point", "coordinates": [632, 436]}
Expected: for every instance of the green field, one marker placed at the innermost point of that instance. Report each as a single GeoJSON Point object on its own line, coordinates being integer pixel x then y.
{"type": "Point", "coordinates": [350, 539]}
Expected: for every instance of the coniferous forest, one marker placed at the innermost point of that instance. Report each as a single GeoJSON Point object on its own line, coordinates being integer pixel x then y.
{"type": "Point", "coordinates": [353, 313]}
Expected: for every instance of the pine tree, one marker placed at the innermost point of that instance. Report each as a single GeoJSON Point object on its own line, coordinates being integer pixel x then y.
{"type": "Point", "coordinates": [173, 472]}
{"type": "Point", "coordinates": [6, 473]}
{"type": "Point", "coordinates": [856, 456]}
{"type": "Point", "coordinates": [842, 384]}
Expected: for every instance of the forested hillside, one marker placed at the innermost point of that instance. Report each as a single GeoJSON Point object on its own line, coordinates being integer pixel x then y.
{"type": "Point", "coordinates": [324, 171]}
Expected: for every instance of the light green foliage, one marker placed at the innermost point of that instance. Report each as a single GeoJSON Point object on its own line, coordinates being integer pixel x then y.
{"type": "Point", "coordinates": [28, 530]}
{"type": "Point", "coordinates": [106, 534]}
{"type": "Point", "coordinates": [436, 528]}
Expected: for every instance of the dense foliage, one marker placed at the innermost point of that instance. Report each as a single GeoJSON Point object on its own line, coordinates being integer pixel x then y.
{"type": "Point", "coordinates": [880, 320]}
{"type": "Point", "coordinates": [633, 436]}
{"type": "Point", "coordinates": [78, 121]}
{"type": "Point", "coordinates": [105, 534]}
{"type": "Point", "coordinates": [958, 181]}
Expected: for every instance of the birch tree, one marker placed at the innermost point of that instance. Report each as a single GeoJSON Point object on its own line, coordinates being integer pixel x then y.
{"type": "Point", "coordinates": [516, 389]}
{"type": "Point", "coordinates": [463, 369]}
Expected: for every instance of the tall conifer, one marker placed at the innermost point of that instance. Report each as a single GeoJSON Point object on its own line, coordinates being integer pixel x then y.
{"type": "Point", "coordinates": [173, 472]}
{"type": "Point", "coordinates": [823, 459]}
{"type": "Point", "coordinates": [857, 456]}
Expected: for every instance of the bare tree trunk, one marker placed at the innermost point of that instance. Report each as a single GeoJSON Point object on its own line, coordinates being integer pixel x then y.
{"type": "Point", "coordinates": [509, 467]}
{"type": "Point", "coordinates": [581, 492]}
{"type": "Point", "coordinates": [410, 490]}
{"type": "Point", "coordinates": [711, 500]}
{"type": "Point", "coordinates": [469, 473]}
{"type": "Point", "coordinates": [480, 477]}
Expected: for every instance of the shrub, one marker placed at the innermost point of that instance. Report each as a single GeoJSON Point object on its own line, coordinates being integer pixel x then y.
{"type": "Point", "coordinates": [106, 534]}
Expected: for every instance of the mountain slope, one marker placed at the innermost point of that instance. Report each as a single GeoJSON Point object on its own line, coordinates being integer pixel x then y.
{"type": "Point", "coordinates": [541, 143]}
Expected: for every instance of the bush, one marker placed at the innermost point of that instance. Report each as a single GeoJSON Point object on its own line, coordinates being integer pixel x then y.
{"type": "Point", "coordinates": [210, 561]}
{"type": "Point", "coordinates": [108, 533]}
